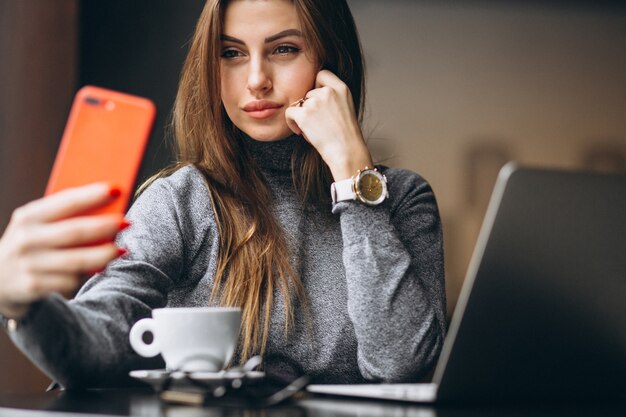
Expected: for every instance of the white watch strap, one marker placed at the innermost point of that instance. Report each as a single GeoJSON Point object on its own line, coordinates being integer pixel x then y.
{"type": "Point", "coordinates": [342, 190]}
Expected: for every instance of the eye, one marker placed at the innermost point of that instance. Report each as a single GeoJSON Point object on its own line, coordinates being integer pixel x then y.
{"type": "Point", "coordinates": [231, 53]}
{"type": "Point", "coordinates": [286, 49]}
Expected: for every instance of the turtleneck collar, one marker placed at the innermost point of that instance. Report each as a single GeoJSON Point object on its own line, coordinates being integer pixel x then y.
{"type": "Point", "coordinates": [276, 155]}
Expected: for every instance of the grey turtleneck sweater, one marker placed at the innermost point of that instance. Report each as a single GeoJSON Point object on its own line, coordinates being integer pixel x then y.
{"type": "Point", "coordinates": [373, 276]}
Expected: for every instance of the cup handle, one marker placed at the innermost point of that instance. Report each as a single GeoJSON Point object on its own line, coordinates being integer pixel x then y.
{"type": "Point", "coordinates": [136, 338]}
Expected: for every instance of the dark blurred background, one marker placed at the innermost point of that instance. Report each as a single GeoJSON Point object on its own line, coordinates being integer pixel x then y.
{"type": "Point", "coordinates": [455, 89]}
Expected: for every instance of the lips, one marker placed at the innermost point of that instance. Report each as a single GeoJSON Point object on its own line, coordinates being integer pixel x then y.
{"type": "Point", "coordinates": [261, 109]}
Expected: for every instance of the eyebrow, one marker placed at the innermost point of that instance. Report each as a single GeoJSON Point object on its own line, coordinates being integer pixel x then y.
{"type": "Point", "coordinates": [269, 39]}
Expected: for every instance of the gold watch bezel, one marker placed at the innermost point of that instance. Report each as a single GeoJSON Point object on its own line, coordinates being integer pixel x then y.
{"type": "Point", "coordinates": [357, 186]}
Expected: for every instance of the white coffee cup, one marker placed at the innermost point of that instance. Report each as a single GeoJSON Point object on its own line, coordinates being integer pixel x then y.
{"type": "Point", "coordinates": [189, 339]}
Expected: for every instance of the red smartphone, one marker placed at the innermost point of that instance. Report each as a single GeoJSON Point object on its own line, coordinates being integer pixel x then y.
{"type": "Point", "coordinates": [104, 140]}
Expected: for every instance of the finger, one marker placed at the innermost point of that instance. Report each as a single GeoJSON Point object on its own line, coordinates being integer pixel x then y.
{"type": "Point", "coordinates": [76, 231]}
{"type": "Point", "coordinates": [67, 203]}
{"type": "Point", "coordinates": [75, 260]}
{"type": "Point", "coordinates": [316, 93]}
{"type": "Point", "coordinates": [42, 285]}
{"type": "Point", "coordinates": [326, 78]}
{"type": "Point", "coordinates": [290, 115]}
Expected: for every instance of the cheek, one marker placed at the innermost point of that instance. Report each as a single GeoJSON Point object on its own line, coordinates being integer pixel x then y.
{"type": "Point", "coordinates": [228, 90]}
{"type": "Point", "coordinates": [300, 81]}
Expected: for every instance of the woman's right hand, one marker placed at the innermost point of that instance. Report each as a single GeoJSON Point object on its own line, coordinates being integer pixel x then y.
{"type": "Point", "coordinates": [49, 246]}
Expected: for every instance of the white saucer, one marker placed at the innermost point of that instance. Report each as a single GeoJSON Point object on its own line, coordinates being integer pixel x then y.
{"type": "Point", "coordinates": [156, 378]}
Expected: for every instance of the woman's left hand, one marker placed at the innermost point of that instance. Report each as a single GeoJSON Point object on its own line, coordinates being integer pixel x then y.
{"type": "Point", "coordinates": [327, 120]}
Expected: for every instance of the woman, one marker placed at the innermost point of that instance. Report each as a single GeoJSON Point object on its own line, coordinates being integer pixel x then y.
{"type": "Point", "coordinates": [258, 213]}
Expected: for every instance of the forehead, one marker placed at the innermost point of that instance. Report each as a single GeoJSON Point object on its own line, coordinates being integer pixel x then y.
{"type": "Point", "coordinates": [259, 17]}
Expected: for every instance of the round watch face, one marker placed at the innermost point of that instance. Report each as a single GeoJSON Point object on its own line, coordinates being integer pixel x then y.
{"type": "Point", "coordinates": [371, 187]}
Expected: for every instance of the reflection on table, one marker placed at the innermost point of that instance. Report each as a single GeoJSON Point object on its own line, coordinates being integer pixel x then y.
{"type": "Point", "coordinates": [144, 402]}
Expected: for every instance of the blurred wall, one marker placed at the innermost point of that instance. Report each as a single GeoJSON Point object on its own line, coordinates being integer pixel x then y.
{"type": "Point", "coordinates": [457, 88]}
{"type": "Point", "coordinates": [38, 56]}
{"type": "Point", "coordinates": [138, 47]}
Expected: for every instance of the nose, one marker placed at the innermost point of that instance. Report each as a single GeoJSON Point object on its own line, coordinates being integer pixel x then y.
{"type": "Point", "coordinates": [259, 77]}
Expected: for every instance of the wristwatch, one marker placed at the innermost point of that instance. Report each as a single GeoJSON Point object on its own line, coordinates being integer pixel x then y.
{"type": "Point", "coordinates": [368, 186]}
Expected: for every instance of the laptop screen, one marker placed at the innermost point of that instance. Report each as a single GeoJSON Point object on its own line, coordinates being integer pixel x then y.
{"type": "Point", "coordinates": [543, 307]}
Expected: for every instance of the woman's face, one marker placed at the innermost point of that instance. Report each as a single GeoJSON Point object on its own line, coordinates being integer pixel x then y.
{"type": "Point", "coordinates": [265, 66]}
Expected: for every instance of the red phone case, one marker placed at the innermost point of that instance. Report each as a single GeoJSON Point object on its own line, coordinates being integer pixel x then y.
{"type": "Point", "coordinates": [104, 140]}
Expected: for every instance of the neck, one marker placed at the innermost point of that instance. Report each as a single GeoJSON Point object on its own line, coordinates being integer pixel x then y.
{"type": "Point", "coordinates": [275, 155]}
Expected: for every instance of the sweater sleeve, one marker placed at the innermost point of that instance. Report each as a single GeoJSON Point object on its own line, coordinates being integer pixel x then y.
{"type": "Point", "coordinates": [393, 259]}
{"type": "Point", "coordinates": [84, 342]}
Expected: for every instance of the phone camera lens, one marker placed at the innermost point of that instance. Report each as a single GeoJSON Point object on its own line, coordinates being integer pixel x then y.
{"type": "Point", "coordinates": [92, 100]}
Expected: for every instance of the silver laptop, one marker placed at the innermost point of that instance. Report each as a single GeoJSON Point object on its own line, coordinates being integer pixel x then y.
{"type": "Point", "coordinates": [542, 311]}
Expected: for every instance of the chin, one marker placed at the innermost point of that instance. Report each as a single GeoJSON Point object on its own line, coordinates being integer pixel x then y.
{"type": "Point", "coordinates": [268, 135]}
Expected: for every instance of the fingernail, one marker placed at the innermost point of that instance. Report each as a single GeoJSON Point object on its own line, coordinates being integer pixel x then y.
{"type": "Point", "coordinates": [121, 252]}
{"type": "Point", "coordinates": [115, 192]}
{"type": "Point", "coordinates": [123, 225]}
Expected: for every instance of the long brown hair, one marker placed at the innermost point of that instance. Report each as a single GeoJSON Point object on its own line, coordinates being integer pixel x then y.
{"type": "Point", "coordinates": [254, 257]}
